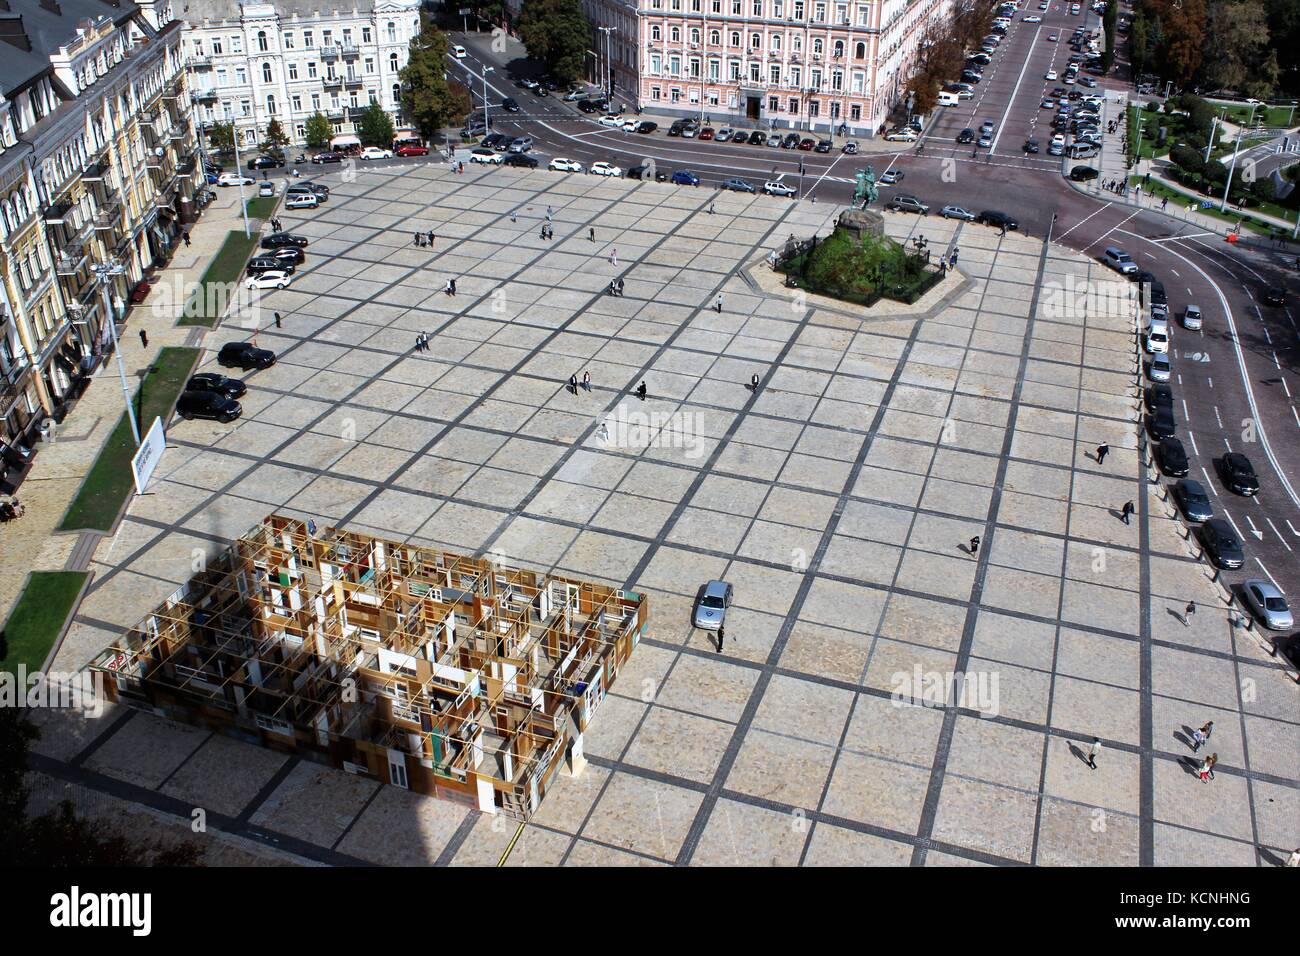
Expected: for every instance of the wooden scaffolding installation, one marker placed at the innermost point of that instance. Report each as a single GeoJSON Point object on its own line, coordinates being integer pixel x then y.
{"type": "Point", "coordinates": [442, 673]}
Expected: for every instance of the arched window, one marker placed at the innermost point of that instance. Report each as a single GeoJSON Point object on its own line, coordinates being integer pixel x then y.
{"type": "Point", "coordinates": [839, 48]}
{"type": "Point", "coordinates": [266, 72]}
{"type": "Point", "coordinates": [397, 94]}
{"type": "Point", "coordinates": [392, 32]}
{"type": "Point", "coordinates": [817, 46]}
{"type": "Point", "coordinates": [270, 105]}
{"type": "Point", "coordinates": [656, 33]}
{"type": "Point", "coordinates": [860, 51]}
{"type": "Point", "coordinates": [755, 40]}
{"type": "Point", "coordinates": [675, 34]}
{"type": "Point", "coordinates": [715, 37]}
{"type": "Point", "coordinates": [261, 40]}
{"type": "Point", "coordinates": [776, 43]}
{"type": "Point", "coordinates": [695, 36]}
{"type": "Point", "coordinates": [392, 62]}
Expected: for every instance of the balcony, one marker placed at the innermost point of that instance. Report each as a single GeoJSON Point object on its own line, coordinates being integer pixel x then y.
{"type": "Point", "coordinates": [329, 54]}
{"type": "Point", "coordinates": [206, 95]}
{"type": "Point", "coordinates": [108, 217]}
{"type": "Point", "coordinates": [72, 260]}
{"type": "Point", "coordinates": [200, 62]}
{"type": "Point", "coordinates": [354, 82]}
{"type": "Point", "coordinates": [337, 114]}
{"type": "Point", "coordinates": [56, 215]}
{"type": "Point", "coordinates": [332, 82]}
{"type": "Point", "coordinates": [95, 173]}
{"type": "Point", "coordinates": [349, 51]}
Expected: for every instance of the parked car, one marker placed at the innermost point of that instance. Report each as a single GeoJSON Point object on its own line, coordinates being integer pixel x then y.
{"type": "Point", "coordinates": [1239, 474]}
{"type": "Point", "coordinates": [891, 177]}
{"type": "Point", "coordinates": [270, 279]}
{"type": "Point", "coordinates": [277, 239]}
{"type": "Point", "coordinates": [260, 264]}
{"type": "Point", "coordinates": [1160, 369]}
{"type": "Point", "coordinates": [711, 605]}
{"type": "Point", "coordinates": [328, 157]}
{"type": "Point", "coordinates": [757, 138]}
{"type": "Point", "coordinates": [605, 169]}
{"type": "Point", "coordinates": [1162, 423]}
{"type": "Point", "coordinates": [957, 212]}
{"type": "Point", "coordinates": [234, 179]}
{"type": "Point", "coordinates": [1083, 174]}
{"type": "Point", "coordinates": [1119, 260]}
{"type": "Point", "coordinates": [823, 146]}
{"type": "Point", "coordinates": [1192, 317]}
{"type": "Point", "coordinates": [376, 152]}
{"type": "Point", "coordinates": [562, 165]}
{"type": "Point", "coordinates": [1173, 458]}
{"type": "Point", "coordinates": [790, 141]}
{"type": "Point", "coordinates": [684, 177]}
{"type": "Point", "coordinates": [1268, 604]}
{"type": "Point", "coordinates": [245, 355]}
{"type": "Point", "coordinates": [1193, 500]}
{"type": "Point", "coordinates": [266, 190]}
{"type": "Point", "coordinates": [1221, 544]}
{"type": "Point", "coordinates": [777, 188]}
{"type": "Point", "coordinates": [645, 126]}
{"type": "Point", "coordinates": [486, 157]}
{"type": "Point", "coordinates": [286, 255]}
{"type": "Point", "coordinates": [966, 136]}
{"type": "Point", "coordinates": [738, 185]}
{"type": "Point", "coordinates": [412, 150]}
{"type": "Point", "coordinates": [1031, 146]}
{"type": "Point", "coordinates": [991, 217]}
{"type": "Point", "coordinates": [140, 291]}
{"type": "Point", "coordinates": [212, 382]}
{"type": "Point", "coordinates": [265, 162]}
{"type": "Point", "coordinates": [906, 203]}
{"type": "Point", "coordinates": [458, 51]}
{"type": "Point", "coordinates": [612, 119]}
{"type": "Point", "coordinates": [210, 405]}
{"type": "Point", "coordinates": [905, 135]}
{"type": "Point", "coordinates": [851, 147]}
{"type": "Point", "coordinates": [1159, 396]}
{"type": "Point", "coordinates": [301, 201]}
{"type": "Point", "coordinates": [523, 160]}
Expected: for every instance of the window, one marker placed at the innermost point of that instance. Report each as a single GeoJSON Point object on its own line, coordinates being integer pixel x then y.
{"type": "Point", "coordinates": [237, 44]}
{"type": "Point", "coordinates": [397, 94]}
{"type": "Point", "coordinates": [715, 38]}
{"type": "Point", "coordinates": [855, 112]}
{"type": "Point", "coordinates": [655, 32]}
{"type": "Point", "coordinates": [793, 105]}
{"type": "Point", "coordinates": [838, 49]}
{"type": "Point", "coordinates": [755, 41]}
{"type": "Point", "coordinates": [311, 69]}
{"type": "Point", "coordinates": [837, 80]}
{"type": "Point", "coordinates": [295, 102]}
{"type": "Point", "coordinates": [392, 63]}
{"type": "Point", "coordinates": [365, 35]}
{"type": "Point", "coordinates": [774, 73]}
{"type": "Point", "coordinates": [216, 46]}
{"type": "Point", "coordinates": [773, 104]}
{"type": "Point", "coordinates": [656, 64]}
{"type": "Point", "coordinates": [293, 71]}
{"type": "Point", "coordinates": [308, 40]}
{"type": "Point", "coordinates": [860, 51]}
{"type": "Point", "coordinates": [675, 35]}
{"type": "Point", "coordinates": [734, 39]}
{"type": "Point", "coordinates": [270, 105]}
{"type": "Point", "coordinates": [241, 77]}
{"type": "Point", "coordinates": [758, 8]}
{"type": "Point", "coordinates": [819, 12]}
{"type": "Point", "coordinates": [261, 41]}
{"type": "Point", "coordinates": [266, 72]}
{"type": "Point", "coordinates": [392, 32]}
{"type": "Point", "coordinates": [288, 41]}
{"type": "Point", "coordinates": [370, 64]}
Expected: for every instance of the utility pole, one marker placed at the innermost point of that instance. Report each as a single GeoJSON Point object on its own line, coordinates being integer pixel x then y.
{"type": "Point", "coordinates": [103, 276]}
{"type": "Point", "coordinates": [243, 203]}
{"type": "Point", "coordinates": [483, 76]}
{"type": "Point", "coordinates": [1231, 168]}
{"type": "Point", "coordinates": [1214, 122]}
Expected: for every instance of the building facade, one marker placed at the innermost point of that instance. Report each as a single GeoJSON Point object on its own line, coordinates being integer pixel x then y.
{"type": "Point", "coordinates": [253, 62]}
{"type": "Point", "coordinates": [818, 65]}
{"type": "Point", "coordinates": [98, 169]}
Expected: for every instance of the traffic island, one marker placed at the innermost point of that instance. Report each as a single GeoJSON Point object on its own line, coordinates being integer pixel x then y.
{"type": "Point", "coordinates": [103, 494]}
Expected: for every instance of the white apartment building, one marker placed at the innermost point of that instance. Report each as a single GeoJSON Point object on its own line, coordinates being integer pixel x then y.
{"type": "Point", "coordinates": [825, 65]}
{"type": "Point", "coordinates": [252, 62]}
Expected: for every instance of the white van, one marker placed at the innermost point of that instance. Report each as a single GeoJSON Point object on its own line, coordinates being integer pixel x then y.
{"type": "Point", "coordinates": [948, 99]}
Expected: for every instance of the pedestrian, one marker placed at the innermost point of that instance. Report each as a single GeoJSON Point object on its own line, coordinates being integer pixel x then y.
{"type": "Point", "coordinates": [1206, 771]}
{"type": "Point", "coordinates": [542, 234]}
{"type": "Point", "coordinates": [1202, 736]}
{"type": "Point", "coordinates": [620, 286]}
{"type": "Point", "coordinates": [952, 260]}
{"type": "Point", "coordinates": [604, 431]}
{"type": "Point", "coordinates": [586, 381]}
{"type": "Point", "coordinates": [712, 208]}
{"type": "Point", "coordinates": [419, 241]}
{"type": "Point", "coordinates": [641, 391]}
{"type": "Point", "coordinates": [1004, 229]}
{"type": "Point", "coordinates": [753, 382]}
{"type": "Point", "coordinates": [431, 238]}
{"type": "Point", "coordinates": [1163, 203]}
{"type": "Point", "coordinates": [1127, 510]}
{"type": "Point", "coordinates": [277, 320]}
{"type": "Point", "coordinates": [722, 635]}
{"type": "Point", "coordinates": [419, 341]}
{"type": "Point", "coordinates": [717, 306]}
{"type": "Point", "coordinates": [1102, 451]}
{"type": "Point", "coordinates": [514, 215]}
{"type": "Point", "coordinates": [613, 287]}
{"type": "Point", "coordinates": [186, 237]}
{"type": "Point", "coordinates": [1188, 612]}
{"type": "Point", "coordinates": [415, 239]}
{"type": "Point", "coordinates": [548, 213]}
{"type": "Point", "coordinates": [450, 287]}
{"type": "Point", "coordinates": [1093, 751]}
{"type": "Point", "coordinates": [144, 338]}
{"type": "Point", "coordinates": [975, 545]}
{"type": "Point", "coordinates": [573, 384]}
{"type": "Point", "coordinates": [591, 233]}
{"type": "Point", "coordinates": [613, 257]}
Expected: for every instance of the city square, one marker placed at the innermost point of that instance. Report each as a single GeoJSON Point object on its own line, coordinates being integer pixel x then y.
{"type": "Point", "coordinates": [839, 497]}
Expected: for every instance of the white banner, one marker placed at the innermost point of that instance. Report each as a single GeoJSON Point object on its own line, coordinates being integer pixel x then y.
{"type": "Point", "coordinates": [147, 455]}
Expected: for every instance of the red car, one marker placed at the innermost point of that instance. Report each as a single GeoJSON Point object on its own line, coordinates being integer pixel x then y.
{"type": "Point", "coordinates": [706, 133]}
{"type": "Point", "coordinates": [141, 291]}
{"type": "Point", "coordinates": [412, 151]}
{"type": "Point", "coordinates": [807, 144]}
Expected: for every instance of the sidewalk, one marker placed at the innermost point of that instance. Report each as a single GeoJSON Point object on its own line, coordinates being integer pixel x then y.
{"type": "Point", "coordinates": [30, 544]}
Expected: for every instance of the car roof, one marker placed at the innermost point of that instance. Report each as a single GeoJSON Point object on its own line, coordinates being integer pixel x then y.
{"type": "Point", "coordinates": [1266, 588]}
{"type": "Point", "coordinates": [716, 588]}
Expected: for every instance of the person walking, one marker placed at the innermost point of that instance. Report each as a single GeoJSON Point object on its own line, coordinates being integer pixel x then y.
{"type": "Point", "coordinates": [431, 238]}
{"type": "Point", "coordinates": [278, 324]}
{"type": "Point", "coordinates": [542, 233]}
{"type": "Point", "coordinates": [415, 239]}
{"type": "Point", "coordinates": [450, 287]}
{"type": "Point", "coordinates": [573, 384]}
{"type": "Point", "coordinates": [753, 383]}
{"type": "Point", "coordinates": [1188, 612]}
{"type": "Point", "coordinates": [586, 381]}
{"type": "Point", "coordinates": [1294, 859]}
{"type": "Point", "coordinates": [975, 545]}
{"type": "Point", "coordinates": [1102, 451]}
{"type": "Point", "coordinates": [1093, 752]}
{"type": "Point", "coordinates": [419, 341]}
{"type": "Point", "coordinates": [514, 215]}
{"type": "Point", "coordinates": [613, 257]}
{"type": "Point", "coordinates": [1202, 736]}
{"type": "Point", "coordinates": [548, 213]}
{"type": "Point", "coordinates": [1207, 769]}
{"type": "Point", "coordinates": [641, 391]}
{"type": "Point", "coordinates": [613, 287]}
{"type": "Point", "coordinates": [712, 208]}
{"type": "Point", "coordinates": [591, 233]}
{"type": "Point", "coordinates": [144, 338]}
{"type": "Point", "coordinates": [1127, 510]}
{"type": "Point", "coordinates": [620, 286]}
{"type": "Point", "coordinates": [717, 306]}
{"type": "Point", "coordinates": [722, 636]}
{"type": "Point", "coordinates": [186, 237]}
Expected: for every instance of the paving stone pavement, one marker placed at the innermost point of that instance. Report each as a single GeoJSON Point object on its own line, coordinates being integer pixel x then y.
{"type": "Point", "coordinates": [838, 498]}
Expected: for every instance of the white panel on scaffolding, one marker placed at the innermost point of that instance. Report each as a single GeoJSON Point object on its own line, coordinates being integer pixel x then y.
{"type": "Point", "coordinates": [486, 803]}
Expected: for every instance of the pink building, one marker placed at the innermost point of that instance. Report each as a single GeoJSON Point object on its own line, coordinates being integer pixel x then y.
{"type": "Point", "coordinates": [824, 65]}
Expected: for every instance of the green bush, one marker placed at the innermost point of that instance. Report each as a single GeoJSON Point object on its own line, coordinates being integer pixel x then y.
{"type": "Point", "coordinates": [1188, 158]}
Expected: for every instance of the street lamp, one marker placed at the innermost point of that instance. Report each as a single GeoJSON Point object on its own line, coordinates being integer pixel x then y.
{"type": "Point", "coordinates": [606, 82]}
{"type": "Point", "coordinates": [104, 273]}
{"type": "Point", "coordinates": [239, 174]}
{"type": "Point", "coordinates": [483, 77]}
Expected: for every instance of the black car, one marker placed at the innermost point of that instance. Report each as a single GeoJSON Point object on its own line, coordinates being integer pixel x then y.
{"type": "Point", "coordinates": [259, 264]}
{"type": "Point", "coordinates": [643, 171]}
{"type": "Point", "coordinates": [1239, 474]}
{"type": "Point", "coordinates": [1191, 497]}
{"type": "Point", "coordinates": [493, 140]}
{"type": "Point", "coordinates": [509, 105]}
{"type": "Point", "coordinates": [265, 162]}
{"type": "Point", "coordinates": [285, 255]}
{"type": "Point", "coordinates": [966, 136]}
{"type": "Point", "coordinates": [1162, 423]}
{"type": "Point", "coordinates": [991, 217]}
{"type": "Point", "coordinates": [212, 382]}
{"type": "Point", "coordinates": [790, 141]}
{"type": "Point", "coordinates": [521, 159]}
{"type": "Point", "coordinates": [1160, 395]}
{"type": "Point", "coordinates": [646, 126]}
{"type": "Point", "coordinates": [1031, 145]}
{"type": "Point", "coordinates": [823, 146]}
{"type": "Point", "coordinates": [244, 355]}
{"type": "Point", "coordinates": [676, 128]}
{"type": "Point", "coordinates": [589, 106]}
{"type": "Point", "coordinates": [1274, 296]}
{"type": "Point", "coordinates": [1222, 544]}
{"type": "Point", "coordinates": [1083, 174]}
{"type": "Point", "coordinates": [278, 239]}
{"type": "Point", "coordinates": [970, 76]}
{"type": "Point", "coordinates": [1173, 458]}
{"type": "Point", "coordinates": [204, 404]}
{"type": "Point", "coordinates": [329, 157]}
{"type": "Point", "coordinates": [757, 138]}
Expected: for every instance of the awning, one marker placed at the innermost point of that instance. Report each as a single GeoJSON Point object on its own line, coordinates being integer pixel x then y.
{"type": "Point", "coordinates": [338, 142]}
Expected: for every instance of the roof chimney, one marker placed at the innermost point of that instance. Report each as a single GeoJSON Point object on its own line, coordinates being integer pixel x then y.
{"type": "Point", "coordinates": [52, 6]}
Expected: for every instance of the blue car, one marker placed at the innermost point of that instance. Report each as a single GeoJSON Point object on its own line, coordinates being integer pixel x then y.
{"type": "Point", "coordinates": [684, 177]}
{"type": "Point", "coordinates": [212, 178]}
{"type": "Point", "coordinates": [739, 185]}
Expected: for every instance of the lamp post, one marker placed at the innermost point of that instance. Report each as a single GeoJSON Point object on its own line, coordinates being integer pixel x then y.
{"type": "Point", "coordinates": [104, 273]}
{"type": "Point", "coordinates": [605, 81]}
{"type": "Point", "coordinates": [1223, 205]}
{"type": "Point", "coordinates": [483, 77]}
{"type": "Point", "coordinates": [239, 171]}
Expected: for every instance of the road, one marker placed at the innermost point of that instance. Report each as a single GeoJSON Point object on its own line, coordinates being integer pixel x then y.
{"type": "Point", "coordinates": [1235, 380]}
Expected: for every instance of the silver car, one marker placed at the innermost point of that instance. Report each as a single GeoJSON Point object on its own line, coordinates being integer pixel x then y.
{"type": "Point", "coordinates": [957, 212]}
{"type": "Point", "coordinates": [1268, 604]}
{"type": "Point", "coordinates": [1160, 368]}
{"type": "Point", "coordinates": [711, 606]}
{"type": "Point", "coordinates": [1192, 317]}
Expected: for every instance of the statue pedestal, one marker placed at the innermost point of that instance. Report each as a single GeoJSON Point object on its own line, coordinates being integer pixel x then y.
{"type": "Point", "coordinates": [863, 223]}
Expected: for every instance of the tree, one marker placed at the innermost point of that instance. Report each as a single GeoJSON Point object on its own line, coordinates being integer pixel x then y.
{"type": "Point", "coordinates": [1109, 18]}
{"type": "Point", "coordinates": [558, 33]}
{"type": "Point", "coordinates": [428, 98]}
{"type": "Point", "coordinates": [319, 129]}
{"type": "Point", "coordinates": [1139, 44]}
{"type": "Point", "coordinates": [375, 128]}
{"type": "Point", "coordinates": [1189, 159]}
{"type": "Point", "coordinates": [221, 137]}
{"type": "Point", "coordinates": [275, 139]}
{"type": "Point", "coordinates": [1236, 47]}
